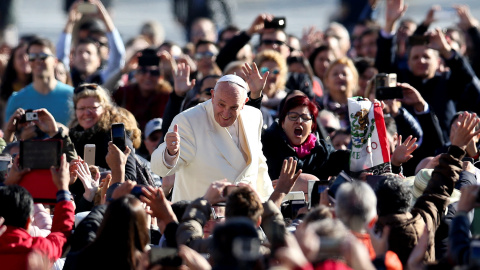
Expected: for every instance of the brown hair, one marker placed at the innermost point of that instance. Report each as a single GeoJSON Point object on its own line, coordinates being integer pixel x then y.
{"type": "Point", "coordinates": [243, 202]}
{"type": "Point", "coordinates": [271, 55]}
{"type": "Point", "coordinates": [349, 63]}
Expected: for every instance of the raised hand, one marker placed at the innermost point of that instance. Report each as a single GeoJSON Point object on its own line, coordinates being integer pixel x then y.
{"type": "Point", "coordinates": [258, 24]}
{"type": "Point", "coordinates": [172, 140]}
{"type": "Point", "coordinates": [46, 122]}
{"type": "Point", "coordinates": [403, 151]}
{"type": "Point", "coordinates": [465, 129]}
{"type": "Point", "coordinates": [466, 19]}
{"type": "Point", "coordinates": [394, 11]}
{"type": "Point", "coordinates": [182, 83]}
{"type": "Point", "coordinates": [255, 81]}
{"type": "Point", "coordinates": [90, 184]}
{"type": "Point", "coordinates": [286, 181]}
{"type": "Point", "coordinates": [412, 97]}
{"type": "Point", "coordinates": [379, 241]}
{"type": "Point", "coordinates": [61, 176]}
{"type": "Point", "coordinates": [159, 206]}
{"type": "Point", "coordinates": [439, 43]}
{"type": "Point", "coordinates": [430, 17]}
{"type": "Point", "coordinates": [214, 192]}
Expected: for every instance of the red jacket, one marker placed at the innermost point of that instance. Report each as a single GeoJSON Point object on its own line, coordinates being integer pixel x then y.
{"type": "Point", "coordinates": [16, 243]}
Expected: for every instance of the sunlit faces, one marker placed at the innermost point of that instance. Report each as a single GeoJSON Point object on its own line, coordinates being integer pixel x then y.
{"type": "Point", "coordinates": [61, 73]}
{"type": "Point", "coordinates": [88, 110]}
{"type": "Point", "coordinates": [86, 59]}
{"type": "Point", "coordinates": [228, 100]}
{"type": "Point", "coordinates": [423, 62]}
{"type": "Point", "coordinates": [340, 79]}
{"type": "Point", "coordinates": [322, 62]}
{"type": "Point", "coordinates": [275, 40]}
{"type": "Point", "coordinates": [147, 78]}
{"type": "Point", "coordinates": [21, 63]}
{"type": "Point", "coordinates": [205, 56]}
{"type": "Point", "coordinates": [298, 130]}
{"type": "Point", "coordinates": [271, 86]}
{"type": "Point", "coordinates": [42, 68]}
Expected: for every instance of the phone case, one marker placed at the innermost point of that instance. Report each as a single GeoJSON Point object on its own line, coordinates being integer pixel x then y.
{"type": "Point", "coordinates": [89, 154]}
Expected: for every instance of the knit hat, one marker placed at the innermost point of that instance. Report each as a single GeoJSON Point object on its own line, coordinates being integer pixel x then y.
{"type": "Point", "coordinates": [419, 184]}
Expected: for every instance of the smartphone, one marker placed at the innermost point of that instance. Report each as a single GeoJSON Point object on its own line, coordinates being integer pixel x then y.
{"type": "Point", "coordinates": [276, 23]}
{"type": "Point", "coordinates": [246, 248]}
{"type": "Point", "coordinates": [89, 154]}
{"type": "Point", "coordinates": [373, 180]}
{"type": "Point", "coordinates": [164, 257]}
{"type": "Point", "coordinates": [40, 154]}
{"type": "Point", "coordinates": [118, 135]}
{"type": "Point", "coordinates": [87, 8]}
{"type": "Point", "coordinates": [318, 187]}
{"type": "Point", "coordinates": [384, 93]}
{"type": "Point", "coordinates": [148, 60]}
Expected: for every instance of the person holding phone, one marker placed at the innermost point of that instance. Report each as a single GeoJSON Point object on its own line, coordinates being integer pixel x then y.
{"type": "Point", "coordinates": [94, 115]}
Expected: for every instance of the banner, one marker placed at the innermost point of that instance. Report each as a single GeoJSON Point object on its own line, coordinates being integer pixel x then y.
{"type": "Point", "coordinates": [370, 148]}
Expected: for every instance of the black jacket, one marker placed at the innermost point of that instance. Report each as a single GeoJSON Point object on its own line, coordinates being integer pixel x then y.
{"type": "Point", "coordinates": [322, 162]}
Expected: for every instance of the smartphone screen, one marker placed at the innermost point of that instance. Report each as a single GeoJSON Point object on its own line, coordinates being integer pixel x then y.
{"type": "Point", "coordinates": [165, 256]}
{"type": "Point", "coordinates": [318, 187]}
{"type": "Point", "coordinates": [89, 154]}
{"type": "Point", "coordinates": [118, 135]}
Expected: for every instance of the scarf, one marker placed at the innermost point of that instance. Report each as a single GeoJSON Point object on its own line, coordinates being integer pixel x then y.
{"type": "Point", "coordinates": [305, 148]}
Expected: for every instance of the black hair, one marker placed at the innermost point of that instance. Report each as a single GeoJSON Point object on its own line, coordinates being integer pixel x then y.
{"type": "Point", "coordinates": [41, 42]}
{"type": "Point", "coordinates": [204, 42]}
{"type": "Point", "coordinates": [364, 63]}
{"type": "Point", "coordinates": [393, 196]}
{"type": "Point", "coordinates": [314, 54]}
{"type": "Point", "coordinates": [10, 75]}
{"type": "Point", "coordinates": [89, 41]}
{"type": "Point", "coordinates": [16, 205]}
{"type": "Point", "coordinates": [226, 29]}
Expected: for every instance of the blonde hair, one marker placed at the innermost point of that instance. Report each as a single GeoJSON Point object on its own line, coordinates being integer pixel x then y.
{"type": "Point", "coordinates": [271, 55]}
{"type": "Point", "coordinates": [98, 92]}
{"type": "Point", "coordinates": [349, 63]}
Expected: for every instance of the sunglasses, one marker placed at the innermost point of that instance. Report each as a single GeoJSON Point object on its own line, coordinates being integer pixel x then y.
{"type": "Point", "coordinates": [85, 86]}
{"type": "Point", "coordinates": [42, 56]}
{"type": "Point", "coordinates": [263, 70]}
{"type": "Point", "coordinates": [200, 56]}
{"type": "Point", "coordinates": [153, 72]}
{"type": "Point", "coordinates": [206, 91]}
{"type": "Point", "coordinates": [272, 42]}
{"type": "Point", "coordinates": [293, 116]}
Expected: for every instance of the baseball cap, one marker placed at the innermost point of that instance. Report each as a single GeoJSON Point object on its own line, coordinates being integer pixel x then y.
{"type": "Point", "coordinates": [153, 125]}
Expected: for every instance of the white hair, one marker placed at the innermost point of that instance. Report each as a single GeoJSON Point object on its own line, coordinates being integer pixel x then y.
{"type": "Point", "coordinates": [356, 205]}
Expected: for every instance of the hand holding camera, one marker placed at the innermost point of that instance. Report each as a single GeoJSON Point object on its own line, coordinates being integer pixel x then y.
{"type": "Point", "coordinates": [259, 23]}
{"type": "Point", "coordinates": [44, 120]}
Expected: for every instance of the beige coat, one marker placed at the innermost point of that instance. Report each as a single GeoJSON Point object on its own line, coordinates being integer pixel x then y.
{"type": "Point", "coordinates": [207, 153]}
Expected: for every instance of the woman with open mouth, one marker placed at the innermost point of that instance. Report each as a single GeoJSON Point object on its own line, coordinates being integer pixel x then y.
{"type": "Point", "coordinates": [295, 135]}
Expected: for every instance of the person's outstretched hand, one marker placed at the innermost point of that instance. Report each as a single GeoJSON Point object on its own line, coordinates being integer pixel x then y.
{"type": "Point", "coordinates": [465, 129]}
{"type": "Point", "coordinates": [90, 184]}
{"type": "Point", "coordinates": [182, 83]}
{"type": "Point", "coordinates": [159, 206]}
{"type": "Point", "coordinates": [259, 24]}
{"type": "Point", "coordinates": [172, 140]}
{"type": "Point", "coordinates": [15, 174]}
{"type": "Point", "coordinates": [403, 151]}
{"type": "Point", "coordinates": [61, 176]}
{"type": "Point", "coordinates": [394, 11]}
{"type": "Point", "coordinates": [256, 82]}
{"type": "Point", "coordinates": [46, 122]}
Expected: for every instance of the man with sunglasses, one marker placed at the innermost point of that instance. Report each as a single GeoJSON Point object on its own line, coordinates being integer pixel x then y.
{"type": "Point", "coordinates": [147, 97]}
{"type": "Point", "coordinates": [45, 91]}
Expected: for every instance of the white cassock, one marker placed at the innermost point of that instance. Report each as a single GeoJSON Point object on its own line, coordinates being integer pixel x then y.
{"type": "Point", "coordinates": [209, 153]}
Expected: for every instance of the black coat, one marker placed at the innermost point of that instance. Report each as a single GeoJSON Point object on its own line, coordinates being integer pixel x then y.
{"type": "Point", "coordinates": [323, 161]}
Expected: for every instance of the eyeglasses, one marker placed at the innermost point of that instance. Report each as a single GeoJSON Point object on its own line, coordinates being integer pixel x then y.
{"type": "Point", "coordinates": [272, 42]}
{"type": "Point", "coordinates": [153, 72]}
{"type": "Point", "coordinates": [42, 56]}
{"type": "Point", "coordinates": [200, 56]}
{"type": "Point", "coordinates": [85, 86]}
{"type": "Point", "coordinates": [293, 116]}
{"type": "Point", "coordinates": [90, 109]}
{"type": "Point", "coordinates": [263, 70]}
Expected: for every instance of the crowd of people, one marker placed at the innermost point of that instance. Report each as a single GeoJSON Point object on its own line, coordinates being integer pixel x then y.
{"type": "Point", "coordinates": [225, 142]}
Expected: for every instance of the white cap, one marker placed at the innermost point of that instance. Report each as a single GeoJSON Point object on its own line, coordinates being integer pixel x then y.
{"type": "Point", "coordinates": [233, 79]}
{"type": "Point", "coordinates": [153, 125]}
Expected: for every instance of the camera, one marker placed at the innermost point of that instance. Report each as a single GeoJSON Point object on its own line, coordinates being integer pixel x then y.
{"type": "Point", "coordinates": [276, 23]}
{"type": "Point", "coordinates": [386, 86]}
{"type": "Point", "coordinates": [29, 116]}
